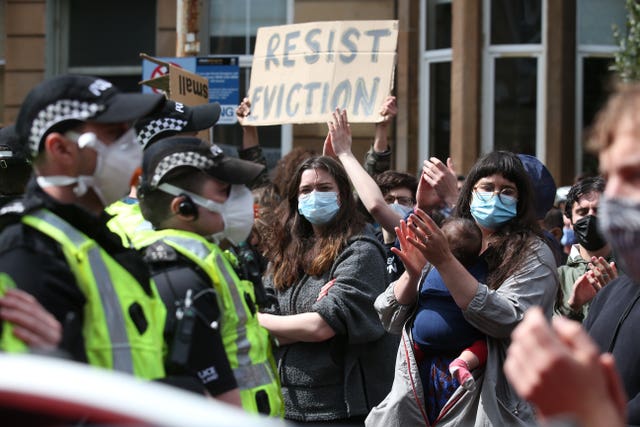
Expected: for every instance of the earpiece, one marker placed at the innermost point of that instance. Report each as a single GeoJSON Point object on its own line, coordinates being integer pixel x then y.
{"type": "Point", "coordinates": [187, 207]}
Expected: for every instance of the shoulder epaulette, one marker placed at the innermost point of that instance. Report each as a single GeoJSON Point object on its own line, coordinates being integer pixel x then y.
{"type": "Point", "coordinates": [160, 252]}
{"type": "Point", "coordinates": [15, 207]}
{"type": "Point", "coordinates": [11, 213]}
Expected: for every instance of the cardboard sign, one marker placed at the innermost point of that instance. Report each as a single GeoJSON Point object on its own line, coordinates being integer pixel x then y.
{"type": "Point", "coordinates": [302, 72]}
{"type": "Point", "coordinates": [178, 84]}
{"type": "Point", "coordinates": [153, 68]}
{"type": "Point", "coordinates": [181, 86]}
{"type": "Point", "coordinates": [187, 87]}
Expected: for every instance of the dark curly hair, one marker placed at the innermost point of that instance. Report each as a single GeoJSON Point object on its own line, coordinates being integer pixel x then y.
{"type": "Point", "coordinates": [295, 250]}
{"type": "Point", "coordinates": [507, 243]}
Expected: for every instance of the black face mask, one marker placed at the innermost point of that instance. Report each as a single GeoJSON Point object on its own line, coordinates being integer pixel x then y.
{"type": "Point", "coordinates": [588, 234]}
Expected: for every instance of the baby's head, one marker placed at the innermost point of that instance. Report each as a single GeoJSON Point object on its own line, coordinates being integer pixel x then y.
{"type": "Point", "coordinates": [465, 239]}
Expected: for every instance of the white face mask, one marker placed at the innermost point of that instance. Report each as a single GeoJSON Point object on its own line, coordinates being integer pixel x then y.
{"type": "Point", "coordinates": [236, 211]}
{"type": "Point", "coordinates": [115, 166]}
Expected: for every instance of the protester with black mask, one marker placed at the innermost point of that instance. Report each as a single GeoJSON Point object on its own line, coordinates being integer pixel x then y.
{"type": "Point", "coordinates": [590, 264]}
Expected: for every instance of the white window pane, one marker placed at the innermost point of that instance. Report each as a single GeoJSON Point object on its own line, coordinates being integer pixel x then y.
{"type": "Point", "coordinates": [232, 18]}
{"type": "Point", "coordinates": [595, 18]}
{"type": "Point", "coordinates": [233, 24]}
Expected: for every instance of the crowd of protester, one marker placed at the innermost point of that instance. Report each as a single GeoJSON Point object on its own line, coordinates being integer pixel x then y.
{"type": "Point", "coordinates": [330, 290]}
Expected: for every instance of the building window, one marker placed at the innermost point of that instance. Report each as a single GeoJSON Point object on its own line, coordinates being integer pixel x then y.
{"type": "Point", "coordinates": [233, 26]}
{"type": "Point", "coordinates": [440, 109]}
{"type": "Point", "coordinates": [100, 36]}
{"type": "Point", "coordinates": [516, 22]}
{"type": "Point", "coordinates": [594, 79]}
{"type": "Point", "coordinates": [438, 26]}
{"type": "Point", "coordinates": [435, 100]}
{"type": "Point", "coordinates": [512, 76]}
{"type": "Point", "coordinates": [515, 101]}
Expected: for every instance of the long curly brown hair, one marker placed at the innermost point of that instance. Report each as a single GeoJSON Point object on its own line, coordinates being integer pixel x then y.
{"type": "Point", "coordinates": [294, 250]}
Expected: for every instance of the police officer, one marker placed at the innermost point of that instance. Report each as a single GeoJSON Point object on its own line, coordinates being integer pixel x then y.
{"type": "Point", "coordinates": [55, 244]}
{"type": "Point", "coordinates": [174, 118]}
{"type": "Point", "coordinates": [194, 195]}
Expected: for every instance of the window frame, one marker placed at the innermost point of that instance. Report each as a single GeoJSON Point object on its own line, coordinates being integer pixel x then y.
{"type": "Point", "coordinates": [489, 55]}
{"type": "Point", "coordinates": [428, 58]}
{"type": "Point", "coordinates": [57, 43]}
{"type": "Point", "coordinates": [583, 52]}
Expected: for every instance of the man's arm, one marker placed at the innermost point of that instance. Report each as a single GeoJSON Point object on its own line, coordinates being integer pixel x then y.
{"type": "Point", "coordinates": [251, 149]}
{"type": "Point", "coordinates": [378, 158]}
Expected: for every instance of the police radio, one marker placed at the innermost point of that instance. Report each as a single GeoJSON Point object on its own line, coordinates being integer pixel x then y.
{"type": "Point", "coordinates": [187, 314]}
{"type": "Point", "coordinates": [181, 346]}
{"type": "Point", "coordinates": [251, 270]}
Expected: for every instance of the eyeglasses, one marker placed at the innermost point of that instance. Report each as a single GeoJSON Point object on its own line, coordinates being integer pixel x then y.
{"type": "Point", "coordinates": [404, 201]}
{"type": "Point", "coordinates": [507, 195]}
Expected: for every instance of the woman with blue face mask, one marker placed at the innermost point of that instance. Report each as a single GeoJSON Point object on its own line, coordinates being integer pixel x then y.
{"type": "Point", "coordinates": [335, 360]}
{"type": "Point", "coordinates": [520, 273]}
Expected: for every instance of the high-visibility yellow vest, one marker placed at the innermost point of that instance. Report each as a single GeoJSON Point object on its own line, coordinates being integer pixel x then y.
{"type": "Point", "coordinates": [111, 338]}
{"type": "Point", "coordinates": [9, 342]}
{"type": "Point", "coordinates": [247, 344]}
{"type": "Point", "coordinates": [127, 220]}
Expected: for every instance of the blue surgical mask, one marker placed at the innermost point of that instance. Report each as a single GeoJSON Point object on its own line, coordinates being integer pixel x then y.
{"type": "Point", "coordinates": [401, 210]}
{"type": "Point", "coordinates": [318, 207]}
{"type": "Point", "coordinates": [491, 211]}
{"type": "Point", "coordinates": [568, 237]}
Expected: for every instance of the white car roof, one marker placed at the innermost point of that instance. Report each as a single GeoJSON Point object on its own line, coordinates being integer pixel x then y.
{"type": "Point", "coordinates": [39, 384]}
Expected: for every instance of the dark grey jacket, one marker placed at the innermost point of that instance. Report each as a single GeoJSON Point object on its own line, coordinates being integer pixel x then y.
{"type": "Point", "coordinates": [350, 373]}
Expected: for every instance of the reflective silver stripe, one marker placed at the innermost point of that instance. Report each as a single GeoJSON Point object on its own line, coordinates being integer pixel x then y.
{"type": "Point", "coordinates": [198, 248]}
{"type": "Point", "coordinates": [242, 342]}
{"type": "Point", "coordinates": [120, 347]}
{"type": "Point", "coordinates": [253, 376]}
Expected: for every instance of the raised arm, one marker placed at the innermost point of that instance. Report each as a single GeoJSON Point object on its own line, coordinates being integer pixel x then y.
{"type": "Point", "coordinates": [378, 158]}
{"type": "Point", "coordinates": [251, 149]}
{"type": "Point", "coordinates": [340, 140]}
{"type": "Point", "coordinates": [388, 110]}
{"type": "Point", "coordinates": [249, 133]}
